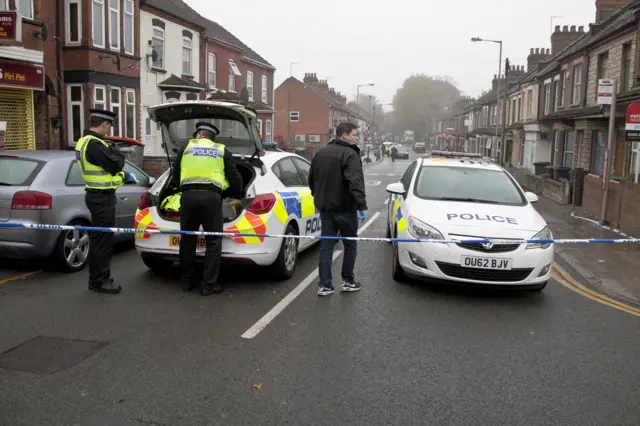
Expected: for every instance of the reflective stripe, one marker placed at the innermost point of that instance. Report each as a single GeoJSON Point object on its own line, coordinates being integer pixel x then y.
{"type": "Point", "coordinates": [94, 176]}
{"type": "Point", "coordinates": [200, 180]}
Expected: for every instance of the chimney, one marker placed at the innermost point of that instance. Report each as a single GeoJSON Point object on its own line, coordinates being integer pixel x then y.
{"type": "Point", "coordinates": [561, 39]}
{"type": "Point", "coordinates": [494, 83]}
{"type": "Point", "coordinates": [310, 78]}
{"type": "Point", "coordinates": [536, 55]}
{"type": "Point", "coordinates": [605, 9]}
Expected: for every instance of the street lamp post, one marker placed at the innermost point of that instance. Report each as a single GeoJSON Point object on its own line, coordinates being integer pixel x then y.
{"type": "Point", "coordinates": [358, 91]}
{"type": "Point", "coordinates": [478, 39]}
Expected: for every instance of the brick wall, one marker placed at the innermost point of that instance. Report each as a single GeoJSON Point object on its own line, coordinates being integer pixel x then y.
{"type": "Point", "coordinates": [155, 166]}
{"type": "Point", "coordinates": [614, 68]}
{"type": "Point", "coordinates": [314, 112]}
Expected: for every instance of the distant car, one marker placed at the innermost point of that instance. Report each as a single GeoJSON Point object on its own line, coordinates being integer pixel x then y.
{"type": "Point", "coordinates": [47, 187]}
{"type": "Point", "coordinates": [403, 152]}
{"type": "Point", "coordinates": [420, 147]}
{"type": "Point", "coordinates": [467, 198]}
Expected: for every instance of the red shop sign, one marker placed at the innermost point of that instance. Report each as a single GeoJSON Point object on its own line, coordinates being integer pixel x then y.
{"type": "Point", "coordinates": [21, 76]}
{"type": "Point", "coordinates": [8, 26]}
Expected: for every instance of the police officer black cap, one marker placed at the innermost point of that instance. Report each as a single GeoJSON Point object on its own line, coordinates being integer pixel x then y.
{"type": "Point", "coordinates": [103, 114]}
{"type": "Point", "coordinates": [208, 127]}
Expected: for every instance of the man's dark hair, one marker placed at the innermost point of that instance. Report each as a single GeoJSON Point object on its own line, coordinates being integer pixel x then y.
{"type": "Point", "coordinates": [96, 121]}
{"type": "Point", "coordinates": [208, 135]}
{"type": "Point", "coordinates": [345, 128]}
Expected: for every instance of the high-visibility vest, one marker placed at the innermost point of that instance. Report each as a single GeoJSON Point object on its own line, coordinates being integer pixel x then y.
{"type": "Point", "coordinates": [203, 163]}
{"type": "Point", "coordinates": [95, 177]}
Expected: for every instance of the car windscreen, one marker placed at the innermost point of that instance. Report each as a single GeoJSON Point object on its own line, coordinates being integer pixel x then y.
{"type": "Point", "coordinates": [233, 134]}
{"type": "Point", "coordinates": [466, 184]}
{"type": "Point", "coordinates": [15, 171]}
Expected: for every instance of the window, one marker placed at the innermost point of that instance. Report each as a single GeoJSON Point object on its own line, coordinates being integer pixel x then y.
{"type": "Point", "coordinates": [259, 127]}
{"type": "Point", "coordinates": [558, 94]}
{"type": "Point", "coordinates": [211, 70]}
{"type": "Point", "coordinates": [74, 18]}
{"type": "Point", "coordinates": [634, 158]}
{"type": "Point", "coordinates": [129, 25]}
{"type": "Point", "coordinates": [74, 175]}
{"type": "Point", "coordinates": [141, 177]}
{"type": "Point", "coordinates": [529, 103]}
{"type": "Point", "coordinates": [250, 89]}
{"type": "Point", "coordinates": [569, 144]}
{"type": "Point", "coordinates": [25, 7]}
{"type": "Point", "coordinates": [267, 130]}
{"type": "Point", "coordinates": [157, 41]}
{"type": "Point", "coordinates": [130, 113]}
{"type": "Point", "coordinates": [187, 47]}
{"type": "Point", "coordinates": [303, 169]}
{"type": "Point", "coordinates": [597, 162]}
{"type": "Point", "coordinates": [99, 97]}
{"type": "Point", "coordinates": [563, 89]}
{"type": "Point", "coordinates": [603, 65]}
{"type": "Point", "coordinates": [577, 83]}
{"type": "Point", "coordinates": [97, 20]}
{"type": "Point", "coordinates": [114, 24]}
{"type": "Point", "coordinates": [547, 98]}
{"type": "Point", "coordinates": [289, 174]}
{"type": "Point", "coordinates": [627, 76]}
{"type": "Point", "coordinates": [116, 128]}
{"type": "Point", "coordinates": [265, 88]}
{"type": "Point", "coordinates": [234, 72]}
{"type": "Point", "coordinates": [408, 176]}
{"type": "Point", "coordinates": [294, 116]}
{"type": "Point", "coordinates": [76, 112]}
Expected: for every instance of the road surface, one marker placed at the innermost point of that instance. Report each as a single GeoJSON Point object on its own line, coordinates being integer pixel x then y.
{"type": "Point", "coordinates": [397, 354]}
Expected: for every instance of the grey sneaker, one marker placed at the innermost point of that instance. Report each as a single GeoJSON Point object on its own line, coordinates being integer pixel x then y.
{"type": "Point", "coordinates": [351, 286]}
{"type": "Point", "coordinates": [325, 290]}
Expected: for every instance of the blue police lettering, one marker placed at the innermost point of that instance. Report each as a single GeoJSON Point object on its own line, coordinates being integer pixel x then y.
{"type": "Point", "coordinates": [206, 152]}
{"type": "Point", "coordinates": [312, 226]}
{"type": "Point", "coordinates": [469, 216]}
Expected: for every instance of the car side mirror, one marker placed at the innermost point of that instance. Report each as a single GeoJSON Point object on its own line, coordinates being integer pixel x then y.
{"type": "Point", "coordinates": [531, 197]}
{"type": "Point", "coordinates": [396, 188]}
{"type": "Point", "coordinates": [152, 181]}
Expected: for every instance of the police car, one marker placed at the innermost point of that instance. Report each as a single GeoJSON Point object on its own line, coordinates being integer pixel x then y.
{"type": "Point", "coordinates": [464, 198]}
{"type": "Point", "coordinates": [277, 199]}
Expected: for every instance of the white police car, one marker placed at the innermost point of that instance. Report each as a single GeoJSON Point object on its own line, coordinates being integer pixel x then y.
{"type": "Point", "coordinates": [465, 198]}
{"type": "Point", "coordinates": [277, 197]}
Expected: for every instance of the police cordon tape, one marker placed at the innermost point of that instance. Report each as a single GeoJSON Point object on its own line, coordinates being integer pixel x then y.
{"type": "Point", "coordinates": [41, 226]}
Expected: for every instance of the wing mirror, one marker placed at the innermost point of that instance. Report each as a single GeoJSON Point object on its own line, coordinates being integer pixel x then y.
{"type": "Point", "coordinates": [152, 180]}
{"type": "Point", "coordinates": [396, 188]}
{"type": "Point", "coordinates": [531, 197]}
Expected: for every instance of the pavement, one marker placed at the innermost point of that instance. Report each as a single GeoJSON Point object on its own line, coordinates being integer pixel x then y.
{"type": "Point", "coordinates": [396, 354]}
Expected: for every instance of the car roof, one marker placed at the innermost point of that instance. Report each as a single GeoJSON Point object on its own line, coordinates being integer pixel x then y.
{"type": "Point", "coordinates": [471, 163]}
{"type": "Point", "coordinates": [39, 154]}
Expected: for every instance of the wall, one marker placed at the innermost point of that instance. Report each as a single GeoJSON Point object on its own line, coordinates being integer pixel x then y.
{"type": "Point", "coordinates": [150, 93]}
{"type": "Point", "coordinates": [614, 47]}
{"type": "Point", "coordinates": [623, 203]}
{"type": "Point", "coordinates": [314, 111]}
{"type": "Point", "coordinates": [223, 55]}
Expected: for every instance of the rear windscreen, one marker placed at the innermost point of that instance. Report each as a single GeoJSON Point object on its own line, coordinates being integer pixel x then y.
{"type": "Point", "coordinates": [18, 171]}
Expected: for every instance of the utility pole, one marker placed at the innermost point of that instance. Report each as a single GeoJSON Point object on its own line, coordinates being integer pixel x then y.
{"type": "Point", "coordinates": [503, 148]}
{"type": "Point", "coordinates": [607, 153]}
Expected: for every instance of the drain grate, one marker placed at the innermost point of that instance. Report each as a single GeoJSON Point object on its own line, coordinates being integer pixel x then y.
{"type": "Point", "coordinates": [48, 354]}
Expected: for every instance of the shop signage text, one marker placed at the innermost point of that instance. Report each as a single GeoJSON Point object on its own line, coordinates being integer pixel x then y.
{"type": "Point", "coordinates": [21, 76]}
{"type": "Point", "coordinates": [632, 125]}
{"type": "Point", "coordinates": [9, 26]}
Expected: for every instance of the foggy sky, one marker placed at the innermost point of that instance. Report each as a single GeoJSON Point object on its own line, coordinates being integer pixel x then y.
{"type": "Point", "coordinates": [351, 42]}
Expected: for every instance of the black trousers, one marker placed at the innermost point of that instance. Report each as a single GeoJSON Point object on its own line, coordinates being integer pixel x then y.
{"type": "Point", "coordinates": [201, 207]}
{"type": "Point", "coordinates": [102, 205]}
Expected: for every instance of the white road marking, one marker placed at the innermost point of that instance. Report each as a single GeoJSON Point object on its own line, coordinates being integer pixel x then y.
{"type": "Point", "coordinates": [372, 183]}
{"type": "Point", "coordinates": [282, 305]}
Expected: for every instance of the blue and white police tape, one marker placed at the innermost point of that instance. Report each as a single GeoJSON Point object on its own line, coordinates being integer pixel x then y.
{"type": "Point", "coordinates": [40, 226]}
{"type": "Point", "coordinates": [599, 225]}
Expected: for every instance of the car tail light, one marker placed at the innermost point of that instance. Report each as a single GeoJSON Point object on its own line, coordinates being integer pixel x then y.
{"type": "Point", "coordinates": [144, 202]}
{"type": "Point", "coordinates": [262, 204]}
{"type": "Point", "coordinates": [31, 200]}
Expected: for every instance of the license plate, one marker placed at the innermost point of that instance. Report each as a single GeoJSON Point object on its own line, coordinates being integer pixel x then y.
{"type": "Point", "coordinates": [485, 263]}
{"type": "Point", "coordinates": [174, 241]}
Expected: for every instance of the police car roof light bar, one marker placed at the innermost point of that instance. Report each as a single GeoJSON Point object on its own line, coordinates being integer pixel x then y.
{"type": "Point", "coordinates": [451, 154]}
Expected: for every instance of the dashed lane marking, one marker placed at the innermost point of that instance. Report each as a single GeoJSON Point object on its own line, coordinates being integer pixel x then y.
{"type": "Point", "coordinates": [282, 305]}
{"type": "Point", "coordinates": [372, 183]}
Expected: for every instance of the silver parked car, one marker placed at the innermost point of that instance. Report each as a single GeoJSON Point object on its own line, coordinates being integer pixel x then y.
{"type": "Point", "coordinates": [47, 187]}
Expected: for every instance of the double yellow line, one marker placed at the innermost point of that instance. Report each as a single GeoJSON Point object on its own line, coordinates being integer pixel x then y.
{"type": "Point", "coordinates": [563, 277]}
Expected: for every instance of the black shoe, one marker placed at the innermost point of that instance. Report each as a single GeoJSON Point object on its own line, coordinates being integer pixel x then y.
{"type": "Point", "coordinates": [109, 288]}
{"type": "Point", "coordinates": [210, 290]}
{"type": "Point", "coordinates": [351, 286]}
{"type": "Point", "coordinates": [188, 285]}
{"type": "Point", "coordinates": [93, 286]}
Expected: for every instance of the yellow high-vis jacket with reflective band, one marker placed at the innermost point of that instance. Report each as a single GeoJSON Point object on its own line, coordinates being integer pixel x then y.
{"type": "Point", "coordinates": [203, 164]}
{"type": "Point", "coordinates": [95, 177]}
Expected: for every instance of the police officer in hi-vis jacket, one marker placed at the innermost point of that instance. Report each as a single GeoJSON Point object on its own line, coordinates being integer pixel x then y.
{"type": "Point", "coordinates": [206, 173]}
{"type": "Point", "coordinates": [101, 166]}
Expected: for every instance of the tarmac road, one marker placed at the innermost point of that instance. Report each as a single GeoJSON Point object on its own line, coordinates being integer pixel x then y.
{"type": "Point", "coordinates": [393, 353]}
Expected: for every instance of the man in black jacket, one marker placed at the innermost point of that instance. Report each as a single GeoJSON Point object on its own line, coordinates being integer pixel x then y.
{"type": "Point", "coordinates": [337, 185]}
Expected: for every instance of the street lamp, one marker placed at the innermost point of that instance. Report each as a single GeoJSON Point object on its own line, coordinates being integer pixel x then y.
{"type": "Point", "coordinates": [476, 40]}
{"type": "Point", "coordinates": [358, 91]}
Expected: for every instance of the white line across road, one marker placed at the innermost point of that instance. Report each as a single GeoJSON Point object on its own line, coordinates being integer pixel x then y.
{"type": "Point", "coordinates": [282, 305]}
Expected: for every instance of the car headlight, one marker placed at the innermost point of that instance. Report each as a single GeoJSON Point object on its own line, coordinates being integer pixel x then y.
{"type": "Point", "coordinates": [545, 234]}
{"type": "Point", "coordinates": [422, 231]}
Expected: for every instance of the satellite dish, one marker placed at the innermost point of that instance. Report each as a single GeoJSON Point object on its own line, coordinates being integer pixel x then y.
{"type": "Point", "coordinates": [44, 31]}
{"type": "Point", "coordinates": [244, 96]}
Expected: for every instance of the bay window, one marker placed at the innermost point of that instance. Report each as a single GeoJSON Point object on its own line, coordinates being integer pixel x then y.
{"type": "Point", "coordinates": [97, 23]}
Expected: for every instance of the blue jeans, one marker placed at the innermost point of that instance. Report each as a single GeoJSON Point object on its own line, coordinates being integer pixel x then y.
{"type": "Point", "coordinates": [347, 225]}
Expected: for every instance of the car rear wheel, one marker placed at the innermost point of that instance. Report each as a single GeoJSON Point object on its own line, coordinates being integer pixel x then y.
{"type": "Point", "coordinates": [72, 250]}
{"type": "Point", "coordinates": [396, 269]}
{"type": "Point", "coordinates": [285, 265]}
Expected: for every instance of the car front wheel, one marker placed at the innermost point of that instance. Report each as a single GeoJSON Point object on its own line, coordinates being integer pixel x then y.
{"type": "Point", "coordinates": [396, 269]}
